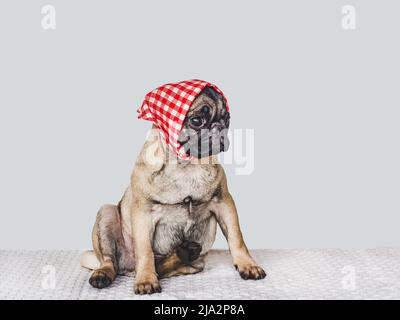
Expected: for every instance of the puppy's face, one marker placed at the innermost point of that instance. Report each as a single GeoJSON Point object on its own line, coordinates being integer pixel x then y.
{"type": "Point", "coordinates": [204, 131]}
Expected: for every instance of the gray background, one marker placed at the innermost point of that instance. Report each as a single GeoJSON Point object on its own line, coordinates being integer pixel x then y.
{"type": "Point", "coordinates": [324, 104]}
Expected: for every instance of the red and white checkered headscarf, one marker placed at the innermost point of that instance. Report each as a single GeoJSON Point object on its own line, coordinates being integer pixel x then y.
{"type": "Point", "coordinates": [167, 106]}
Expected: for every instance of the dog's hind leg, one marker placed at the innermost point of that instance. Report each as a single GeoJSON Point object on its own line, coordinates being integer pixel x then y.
{"type": "Point", "coordinates": [108, 244]}
{"type": "Point", "coordinates": [89, 260]}
{"type": "Point", "coordinates": [182, 269]}
{"type": "Point", "coordinates": [184, 260]}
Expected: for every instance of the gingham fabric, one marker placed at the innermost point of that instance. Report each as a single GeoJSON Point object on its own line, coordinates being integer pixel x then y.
{"type": "Point", "coordinates": [167, 106]}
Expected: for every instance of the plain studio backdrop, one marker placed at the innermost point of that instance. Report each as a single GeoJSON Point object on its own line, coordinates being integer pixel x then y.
{"type": "Point", "coordinates": [323, 102]}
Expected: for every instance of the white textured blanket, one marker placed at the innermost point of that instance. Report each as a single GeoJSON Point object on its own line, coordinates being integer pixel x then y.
{"type": "Point", "coordinates": [292, 274]}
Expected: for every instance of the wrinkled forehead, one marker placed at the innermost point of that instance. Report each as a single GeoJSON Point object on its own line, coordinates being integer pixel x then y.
{"type": "Point", "coordinates": [210, 97]}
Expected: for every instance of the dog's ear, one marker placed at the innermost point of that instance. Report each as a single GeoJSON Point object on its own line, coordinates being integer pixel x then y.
{"type": "Point", "coordinates": [153, 153]}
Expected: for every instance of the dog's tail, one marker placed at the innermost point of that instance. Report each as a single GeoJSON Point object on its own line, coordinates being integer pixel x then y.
{"type": "Point", "coordinates": [89, 260]}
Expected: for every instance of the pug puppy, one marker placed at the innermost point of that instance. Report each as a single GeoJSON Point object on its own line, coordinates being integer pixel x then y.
{"type": "Point", "coordinates": [166, 221]}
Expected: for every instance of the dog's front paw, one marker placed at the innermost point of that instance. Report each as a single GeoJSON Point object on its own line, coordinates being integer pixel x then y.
{"type": "Point", "coordinates": [188, 251]}
{"type": "Point", "coordinates": [250, 271]}
{"type": "Point", "coordinates": [147, 285]}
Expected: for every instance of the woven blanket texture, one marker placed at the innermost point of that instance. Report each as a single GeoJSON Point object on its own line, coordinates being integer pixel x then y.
{"type": "Point", "coordinates": [292, 274]}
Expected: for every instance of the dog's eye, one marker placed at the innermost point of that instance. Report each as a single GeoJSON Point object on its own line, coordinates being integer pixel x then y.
{"type": "Point", "coordinates": [196, 121]}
